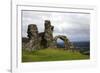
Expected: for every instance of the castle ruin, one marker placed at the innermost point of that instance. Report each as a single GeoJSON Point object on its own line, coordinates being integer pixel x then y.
{"type": "Point", "coordinates": [36, 40]}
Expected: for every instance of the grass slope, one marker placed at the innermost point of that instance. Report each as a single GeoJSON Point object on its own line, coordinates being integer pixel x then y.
{"type": "Point", "coordinates": [51, 55]}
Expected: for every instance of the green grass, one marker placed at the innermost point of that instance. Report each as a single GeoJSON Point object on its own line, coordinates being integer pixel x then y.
{"type": "Point", "coordinates": [51, 55]}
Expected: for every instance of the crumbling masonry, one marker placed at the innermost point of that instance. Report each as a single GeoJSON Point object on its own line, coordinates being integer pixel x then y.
{"type": "Point", "coordinates": [44, 39]}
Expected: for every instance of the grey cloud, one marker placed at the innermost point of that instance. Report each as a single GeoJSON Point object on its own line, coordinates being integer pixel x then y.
{"type": "Point", "coordinates": [75, 26]}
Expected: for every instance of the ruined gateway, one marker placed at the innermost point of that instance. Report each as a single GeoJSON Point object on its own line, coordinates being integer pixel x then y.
{"type": "Point", "coordinates": [36, 40]}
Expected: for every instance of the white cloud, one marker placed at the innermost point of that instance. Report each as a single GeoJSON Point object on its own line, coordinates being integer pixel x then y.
{"type": "Point", "coordinates": [72, 25]}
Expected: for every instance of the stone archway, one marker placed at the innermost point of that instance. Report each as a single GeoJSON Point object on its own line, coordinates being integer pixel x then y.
{"type": "Point", "coordinates": [67, 44]}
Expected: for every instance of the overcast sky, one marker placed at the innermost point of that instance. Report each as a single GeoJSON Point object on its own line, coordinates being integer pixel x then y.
{"type": "Point", "coordinates": [76, 26]}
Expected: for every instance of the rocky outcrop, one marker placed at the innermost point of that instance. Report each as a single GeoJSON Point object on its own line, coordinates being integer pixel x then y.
{"type": "Point", "coordinates": [44, 39]}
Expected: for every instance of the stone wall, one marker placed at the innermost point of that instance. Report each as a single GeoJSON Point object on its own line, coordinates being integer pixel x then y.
{"type": "Point", "coordinates": [33, 36]}
{"type": "Point", "coordinates": [48, 33]}
{"type": "Point", "coordinates": [67, 44]}
{"type": "Point", "coordinates": [36, 40]}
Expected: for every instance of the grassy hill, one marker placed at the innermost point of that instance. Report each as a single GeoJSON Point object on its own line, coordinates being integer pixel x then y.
{"type": "Point", "coordinates": [51, 55]}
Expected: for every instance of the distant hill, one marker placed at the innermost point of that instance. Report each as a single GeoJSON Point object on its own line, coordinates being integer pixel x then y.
{"type": "Point", "coordinates": [83, 46]}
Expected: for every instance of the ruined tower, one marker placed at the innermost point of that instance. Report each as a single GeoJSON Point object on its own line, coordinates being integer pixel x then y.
{"type": "Point", "coordinates": [33, 37]}
{"type": "Point", "coordinates": [48, 33]}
